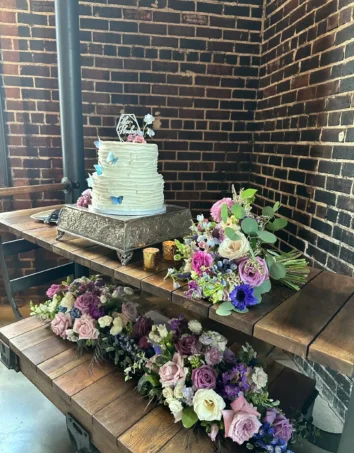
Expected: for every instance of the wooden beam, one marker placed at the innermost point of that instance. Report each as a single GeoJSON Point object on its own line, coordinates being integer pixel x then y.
{"type": "Point", "coordinates": [10, 191]}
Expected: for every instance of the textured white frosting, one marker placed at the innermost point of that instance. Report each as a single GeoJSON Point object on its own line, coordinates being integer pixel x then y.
{"type": "Point", "coordinates": [134, 177]}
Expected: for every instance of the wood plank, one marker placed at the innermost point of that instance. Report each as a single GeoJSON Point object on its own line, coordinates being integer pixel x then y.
{"type": "Point", "coordinates": [245, 322]}
{"type": "Point", "coordinates": [200, 306]}
{"type": "Point", "coordinates": [43, 237]}
{"type": "Point", "coordinates": [19, 328]}
{"type": "Point", "coordinates": [294, 324]}
{"type": "Point", "coordinates": [191, 442]}
{"type": "Point", "coordinates": [158, 285]}
{"type": "Point", "coordinates": [77, 379]}
{"type": "Point", "coordinates": [27, 224]}
{"type": "Point", "coordinates": [26, 340]}
{"type": "Point", "coordinates": [62, 363]}
{"type": "Point", "coordinates": [151, 433]}
{"type": "Point", "coordinates": [120, 415]}
{"type": "Point", "coordinates": [106, 264]}
{"type": "Point", "coordinates": [335, 345]}
{"type": "Point", "coordinates": [66, 247]}
{"type": "Point", "coordinates": [46, 350]}
{"type": "Point", "coordinates": [134, 273]}
{"type": "Point", "coordinates": [98, 395]}
{"type": "Point", "coordinates": [27, 212]}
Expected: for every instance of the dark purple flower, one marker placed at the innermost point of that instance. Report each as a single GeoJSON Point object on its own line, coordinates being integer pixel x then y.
{"type": "Point", "coordinates": [157, 349]}
{"type": "Point", "coordinates": [142, 328]}
{"type": "Point", "coordinates": [204, 377]}
{"type": "Point", "coordinates": [96, 311]}
{"type": "Point", "coordinates": [186, 345]}
{"type": "Point", "coordinates": [179, 324]}
{"type": "Point", "coordinates": [144, 343]}
{"type": "Point", "coordinates": [235, 381]}
{"type": "Point", "coordinates": [230, 357]}
{"type": "Point", "coordinates": [86, 301]}
{"type": "Point", "coordinates": [242, 297]}
{"type": "Point", "coordinates": [99, 282]}
{"type": "Point", "coordinates": [283, 429]}
{"type": "Point", "coordinates": [194, 292]}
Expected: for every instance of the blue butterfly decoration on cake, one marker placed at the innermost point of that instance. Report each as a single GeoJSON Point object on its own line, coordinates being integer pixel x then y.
{"type": "Point", "coordinates": [97, 143]}
{"type": "Point", "coordinates": [117, 200]}
{"type": "Point", "coordinates": [111, 159]}
{"type": "Point", "coordinates": [89, 180]}
{"type": "Point", "coordinates": [98, 169]}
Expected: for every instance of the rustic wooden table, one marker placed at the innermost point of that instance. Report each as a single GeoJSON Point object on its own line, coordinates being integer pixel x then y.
{"type": "Point", "coordinates": [315, 323]}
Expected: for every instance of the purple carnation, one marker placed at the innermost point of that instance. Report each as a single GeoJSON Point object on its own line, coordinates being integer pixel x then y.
{"type": "Point", "coordinates": [242, 297]}
{"type": "Point", "coordinates": [213, 356]}
{"type": "Point", "coordinates": [204, 377]}
{"type": "Point", "coordinates": [86, 301]}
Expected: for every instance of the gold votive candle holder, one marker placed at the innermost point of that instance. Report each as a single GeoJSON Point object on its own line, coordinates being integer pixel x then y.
{"type": "Point", "coordinates": [169, 250]}
{"type": "Point", "coordinates": [151, 258]}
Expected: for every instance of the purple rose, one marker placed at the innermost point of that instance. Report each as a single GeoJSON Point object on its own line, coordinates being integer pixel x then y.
{"type": "Point", "coordinates": [201, 261]}
{"type": "Point", "coordinates": [186, 345]}
{"type": "Point", "coordinates": [215, 210]}
{"type": "Point", "coordinates": [142, 328]}
{"type": "Point", "coordinates": [204, 377]}
{"type": "Point", "coordinates": [283, 429]}
{"type": "Point", "coordinates": [253, 273]}
{"type": "Point", "coordinates": [53, 290]}
{"type": "Point", "coordinates": [213, 356]}
{"type": "Point", "coordinates": [86, 301]}
{"type": "Point", "coordinates": [129, 311]}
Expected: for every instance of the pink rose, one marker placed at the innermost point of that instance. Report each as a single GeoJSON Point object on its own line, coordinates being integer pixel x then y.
{"type": "Point", "coordinates": [200, 261]}
{"type": "Point", "coordinates": [85, 328]}
{"type": "Point", "coordinates": [130, 138]}
{"type": "Point", "coordinates": [53, 290]}
{"type": "Point", "coordinates": [253, 274]}
{"type": "Point", "coordinates": [241, 423]}
{"type": "Point", "coordinates": [60, 323]}
{"type": "Point", "coordinates": [139, 139]}
{"type": "Point", "coordinates": [215, 210]}
{"type": "Point", "coordinates": [172, 372]}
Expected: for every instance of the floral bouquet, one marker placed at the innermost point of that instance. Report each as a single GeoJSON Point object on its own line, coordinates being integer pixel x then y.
{"type": "Point", "coordinates": [80, 310]}
{"type": "Point", "coordinates": [229, 259]}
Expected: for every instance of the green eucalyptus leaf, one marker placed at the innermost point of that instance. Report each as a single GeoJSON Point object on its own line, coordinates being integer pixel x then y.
{"type": "Point", "coordinates": [189, 417]}
{"type": "Point", "coordinates": [231, 234]}
{"type": "Point", "coordinates": [225, 309]}
{"type": "Point", "coordinates": [276, 206]}
{"type": "Point", "coordinates": [280, 223]}
{"type": "Point", "coordinates": [265, 287]}
{"type": "Point", "coordinates": [268, 238]}
{"type": "Point", "coordinates": [270, 260]}
{"type": "Point", "coordinates": [224, 212]}
{"type": "Point", "coordinates": [268, 211]}
{"type": "Point", "coordinates": [241, 311]}
{"type": "Point", "coordinates": [238, 211]}
{"type": "Point", "coordinates": [249, 226]}
{"type": "Point", "coordinates": [277, 271]}
{"type": "Point", "coordinates": [248, 193]}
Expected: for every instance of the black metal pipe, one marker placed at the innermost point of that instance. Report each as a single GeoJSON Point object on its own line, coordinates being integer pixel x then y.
{"type": "Point", "coordinates": [69, 76]}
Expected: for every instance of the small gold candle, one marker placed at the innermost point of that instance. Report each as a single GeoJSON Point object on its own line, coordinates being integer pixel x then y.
{"type": "Point", "coordinates": [169, 250]}
{"type": "Point", "coordinates": [151, 259]}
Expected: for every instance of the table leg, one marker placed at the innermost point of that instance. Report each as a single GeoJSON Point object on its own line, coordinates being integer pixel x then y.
{"type": "Point", "coordinates": [346, 444]}
{"type": "Point", "coordinates": [6, 280]}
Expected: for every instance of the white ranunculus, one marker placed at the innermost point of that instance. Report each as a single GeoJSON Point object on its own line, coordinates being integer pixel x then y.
{"type": "Point", "coordinates": [103, 299]}
{"type": "Point", "coordinates": [71, 336]}
{"type": "Point", "coordinates": [167, 393]}
{"type": "Point", "coordinates": [195, 327]}
{"type": "Point", "coordinates": [259, 378]}
{"type": "Point", "coordinates": [233, 250]}
{"type": "Point", "coordinates": [68, 301]}
{"type": "Point", "coordinates": [149, 119]}
{"type": "Point", "coordinates": [105, 321]}
{"type": "Point", "coordinates": [128, 291]}
{"type": "Point", "coordinates": [117, 326]}
{"type": "Point", "coordinates": [178, 391]}
{"type": "Point", "coordinates": [208, 405]}
{"type": "Point", "coordinates": [162, 330]}
{"type": "Point", "coordinates": [175, 406]}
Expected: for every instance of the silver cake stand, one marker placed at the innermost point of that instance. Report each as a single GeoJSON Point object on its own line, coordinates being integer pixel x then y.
{"type": "Point", "coordinates": [125, 234]}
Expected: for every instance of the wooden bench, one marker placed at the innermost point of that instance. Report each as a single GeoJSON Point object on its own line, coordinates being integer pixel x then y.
{"type": "Point", "coordinates": [109, 408]}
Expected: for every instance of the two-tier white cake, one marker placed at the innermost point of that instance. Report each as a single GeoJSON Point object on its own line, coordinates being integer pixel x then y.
{"type": "Point", "coordinates": [126, 181]}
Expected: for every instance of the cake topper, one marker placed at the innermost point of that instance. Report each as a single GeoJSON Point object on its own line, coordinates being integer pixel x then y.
{"type": "Point", "coordinates": [128, 128]}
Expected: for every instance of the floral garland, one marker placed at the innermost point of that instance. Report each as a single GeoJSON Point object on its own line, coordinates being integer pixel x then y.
{"type": "Point", "coordinates": [180, 365]}
{"type": "Point", "coordinates": [228, 260]}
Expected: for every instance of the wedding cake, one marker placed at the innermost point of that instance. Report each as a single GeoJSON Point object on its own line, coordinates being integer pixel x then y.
{"type": "Point", "coordinates": [126, 180]}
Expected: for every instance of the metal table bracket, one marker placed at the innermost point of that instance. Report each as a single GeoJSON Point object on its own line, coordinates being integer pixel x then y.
{"type": "Point", "coordinates": [8, 357]}
{"type": "Point", "coordinates": [80, 436]}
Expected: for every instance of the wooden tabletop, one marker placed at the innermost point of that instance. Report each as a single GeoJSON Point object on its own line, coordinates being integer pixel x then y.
{"type": "Point", "coordinates": [315, 322]}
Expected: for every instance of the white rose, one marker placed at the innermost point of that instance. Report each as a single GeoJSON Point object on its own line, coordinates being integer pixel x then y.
{"type": "Point", "coordinates": [52, 306]}
{"type": "Point", "coordinates": [162, 330]}
{"type": "Point", "coordinates": [219, 341]}
{"type": "Point", "coordinates": [208, 405]}
{"type": "Point", "coordinates": [167, 393]}
{"type": "Point", "coordinates": [177, 416]}
{"type": "Point", "coordinates": [128, 291]}
{"type": "Point", "coordinates": [175, 406]}
{"type": "Point", "coordinates": [178, 391]}
{"type": "Point", "coordinates": [117, 326]}
{"type": "Point", "coordinates": [71, 336]}
{"type": "Point", "coordinates": [105, 321]}
{"type": "Point", "coordinates": [68, 301]}
{"type": "Point", "coordinates": [234, 250]}
{"type": "Point", "coordinates": [149, 119]}
{"type": "Point", "coordinates": [195, 327]}
{"type": "Point", "coordinates": [103, 299]}
{"type": "Point", "coordinates": [259, 378]}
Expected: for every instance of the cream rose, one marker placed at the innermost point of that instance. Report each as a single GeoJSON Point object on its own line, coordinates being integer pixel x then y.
{"type": "Point", "coordinates": [208, 405]}
{"type": "Point", "coordinates": [117, 326]}
{"type": "Point", "coordinates": [178, 391]}
{"type": "Point", "coordinates": [175, 406]}
{"type": "Point", "coordinates": [167, 393]}
{"type": "Point", "coordinates": [105, 321]}
{"type": "Point", "coordinates": [68, 301]}
{"type": "Point", "coordinates": [259, 378]}
{"type": "Point", "coordinates": [234, 250]}
{"type": "Point", "coordinates": [195, 327]}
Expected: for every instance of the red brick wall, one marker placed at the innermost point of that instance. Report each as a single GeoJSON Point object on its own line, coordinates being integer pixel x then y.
{"type": "Point", "coordinates": [303, 151]}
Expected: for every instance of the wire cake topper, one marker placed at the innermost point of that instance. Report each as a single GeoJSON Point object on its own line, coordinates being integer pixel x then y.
{"type": "Point", "coordinates": [127, 125]}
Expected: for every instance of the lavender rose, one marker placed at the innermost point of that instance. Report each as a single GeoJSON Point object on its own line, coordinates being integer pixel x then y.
{"type": "Point", "coordinates": [60, 324]}
{"type": "Point", "coordinates": [142, 328]}
{"type": "Point", "coordinates": [85, 327]}
{"type": "Point", "coordinates": [283, 429]}
{"type": "Point", "coordinates": [215, 210]}
{"type": "Point", "coordinates": [129, 311]}
{"type": "Point", "coordinates": [213, 356]}
{"type": "Point", "coordinates": [204, 377]}
{"type": "Point", "coordinates": [186, 345]}
{"type": "Point", "coordinates": [86, 301]}
{"type": "Point", "coordinates": [173, 371]}
{"type": "Point", "coordinates": [253, 273]}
